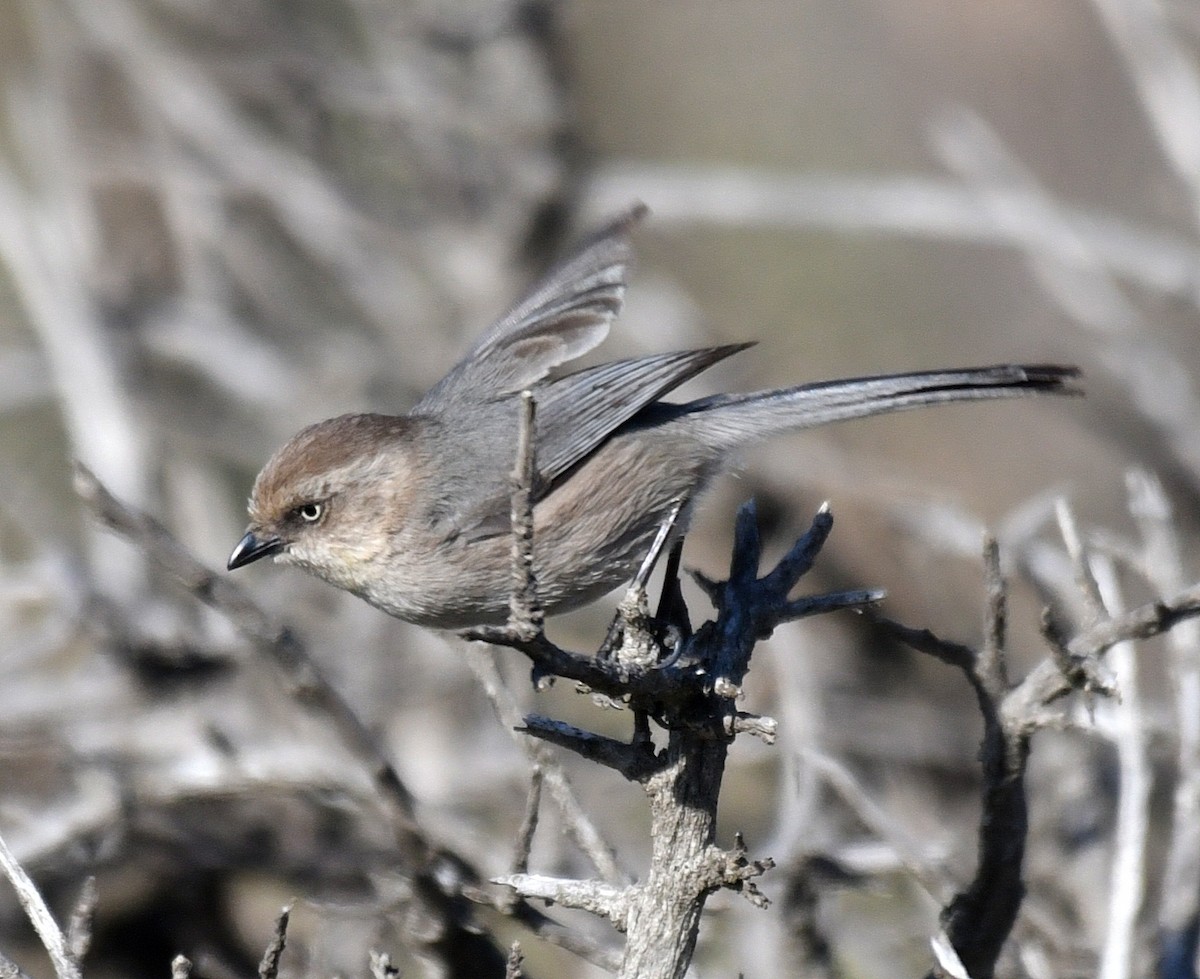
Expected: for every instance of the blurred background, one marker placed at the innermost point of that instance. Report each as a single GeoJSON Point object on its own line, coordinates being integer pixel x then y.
{"type": "Point", "coordinates": [221, 220]}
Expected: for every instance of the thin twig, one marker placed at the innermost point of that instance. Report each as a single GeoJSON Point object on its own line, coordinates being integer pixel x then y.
{"type": "Point", "coordinates": [581, 827]}
{"type": "Point", "coordinates": [381, 966]}
{"type": "Point", "coordinates": [1085, 581]}
{"type": "Point", "coordinates": [79, 928]}
{"type": "Point", "coordinates": [1128, 884]}
{"type": "Point", "coordinates": [512, 968]}
{"type": "Point", "coordinates": [525, 611]}
{"type": "Point", "coordinates": [439, 875]}
{"type": "Point", "coordinates": [921, 207]}
{"type": "Point", "coordinates": [529, 822]}
{"type": "Point", "coordinates": [34, 905]}
{"type": "Point", "coordinates": [268, 968]}
{"type": "Point", "coordinates": [930, 873]}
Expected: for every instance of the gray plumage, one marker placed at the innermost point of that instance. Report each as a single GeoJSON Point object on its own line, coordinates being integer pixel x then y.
{"type": "Point", "coordinates": [411, 512]}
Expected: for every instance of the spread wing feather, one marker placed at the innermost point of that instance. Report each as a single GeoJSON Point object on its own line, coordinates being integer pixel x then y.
{"type": "Point", "coordinates": [575, 415]}
{"type": "Point", "coordinates": [578, 412]}
{"type": "Point", "coordinates": [562, 317]}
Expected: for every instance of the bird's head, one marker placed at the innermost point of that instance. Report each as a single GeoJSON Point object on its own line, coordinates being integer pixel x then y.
{"type": "Point", "coordinates": [329, 498]}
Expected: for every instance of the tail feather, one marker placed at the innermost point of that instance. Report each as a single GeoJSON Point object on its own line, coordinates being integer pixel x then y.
{"type": "Point", "coordinates": [729, 420]}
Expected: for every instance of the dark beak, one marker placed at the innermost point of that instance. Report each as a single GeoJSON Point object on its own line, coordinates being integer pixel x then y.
{"type": "Point", "coordinates": [252, 547]}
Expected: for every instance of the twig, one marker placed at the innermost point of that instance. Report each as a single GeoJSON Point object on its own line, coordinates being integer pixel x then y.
{"type": "Point", "coordinates": [525, 611]}
{"type": "Point", "coordinates": [931, 874]}
{"type": "Point", "coordinates": [1166, 80]}
{"type": "Point", "coordinates": [439, 876]}
{"type": "Point", "coordinates": [1085, 580]}
{"type": "Point", "coordinates": [9, 969]}
{"type": "Point", "coordinates": [979, 919]}
{"type": "Point", "coordinates": [604, 900]}
{"type": "Point", "coordinates": [1128, 883]}
{"type": "Point", "coordinates": [551, 772]}
{"type": "Point", "coordinates": [904, 205]}
{"type": "Point", "coordinates": [381, 966]}
{"type": "Point", "coordinates": [1160, 561]}
{"type": "Point", "coordinates": [512, 968]}
{"type": "Point", "coordinates": [268, 968]}
{"type": "Point", "coordinates": [529, 822]}
{"type": "Point", "coordinates": [51, 936]}
{"type": "Point", "coordinates": [79, 928]}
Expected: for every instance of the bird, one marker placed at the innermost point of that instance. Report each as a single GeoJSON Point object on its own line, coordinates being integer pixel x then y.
{"type": "Point", "coordinates": [411, 512]}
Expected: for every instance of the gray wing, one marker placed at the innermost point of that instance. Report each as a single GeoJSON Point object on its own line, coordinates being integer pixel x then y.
{"type": "Point", "coordinates": [575, 415]}
{"type": "Point", "coordinates": [564, 316]}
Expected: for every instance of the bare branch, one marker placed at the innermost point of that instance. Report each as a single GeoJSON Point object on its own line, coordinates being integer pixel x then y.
{"type": "Point", "coordinates": [381, 966]}
{"type": "Point", "coordinates": [1131, 834]}
{"type": "Point", "coordinates": [512, 969]}
{"type": "Point", "coordinates": [928, 872]}
{"type": "Point", "coordinates": [268, 968]}
{"type": "Point", "coordinates": [581, 827]}
{"type": "Point", "coordinates": [636, 761]}
{"type": "Point", "coordinates": [525, 611]}
{"type": "Point", "coordinates": [605, 900]}
{"type": "Point", "coordinates": [529, 822]}
{"type": "Point", "coordinates": [9, 969]}
{"type": "Point", "coordinates": [79, 928]}
{"type": "Point", "coordinates": [34, 905]}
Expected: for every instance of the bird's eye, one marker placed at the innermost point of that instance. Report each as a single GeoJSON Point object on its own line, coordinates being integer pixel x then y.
{"type": "Point", "coordinates": [310, 512]}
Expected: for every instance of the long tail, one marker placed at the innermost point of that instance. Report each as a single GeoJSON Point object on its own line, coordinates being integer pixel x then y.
{"type": "Point", "coordinates": [728, 420]}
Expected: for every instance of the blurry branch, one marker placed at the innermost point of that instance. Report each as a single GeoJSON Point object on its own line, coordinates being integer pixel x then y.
{"type": "Point", "coordinates": [268, 968]}
{"type": "Point", "coordinates": [79, 927]}
{"type": "Point", "coordinates": [1166, 79]}
{"type": "Point", "coordinates": [1096, 582]}
{"type": "Point", "coordinates": [58, 946]}
{"type": "Point", "coordinates": [903, 206]}
{"type": "Point", "coordinates": [177, 94]}
{"type": "Point", "coordinates": [1131, 835]}
{"type": "Point", "coordinates": [927, 870]}
{"type": "Point", "coordinates": [978, 920]}
{"type": "Point", "coordinates": [549, 772]}
{"type": "Point", "coordinates": [529, 823]}
{"type": "Point", "coordinates": [308, 686]}
{"type": "Point", "coordinates": [512, 968]}
{"type": "Point", "coordinates": [444, 882]}
{"type": "Point", "coordinates": [1074, 273]}
{"type": "Point", "coordinates": [1156, 558]}
{"type": "Point", "coordinates": [45, 256]}
{"type": "Point", "coordinates": [1064, 259]}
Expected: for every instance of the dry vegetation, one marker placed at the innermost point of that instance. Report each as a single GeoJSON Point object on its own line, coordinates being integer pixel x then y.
{"type": "Point", "coordinates": [222, 219]}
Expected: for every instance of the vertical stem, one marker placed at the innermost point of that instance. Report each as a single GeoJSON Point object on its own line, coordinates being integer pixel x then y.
{"type": "Point", "coordinates": [664, 917]}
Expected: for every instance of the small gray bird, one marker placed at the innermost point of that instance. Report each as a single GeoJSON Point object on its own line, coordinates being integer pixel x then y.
{"type": "Point", "coordinates": [411, 512]}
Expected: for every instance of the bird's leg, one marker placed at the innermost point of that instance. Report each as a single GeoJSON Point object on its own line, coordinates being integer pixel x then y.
{"type": "Point", "coordinates": [631, 637]}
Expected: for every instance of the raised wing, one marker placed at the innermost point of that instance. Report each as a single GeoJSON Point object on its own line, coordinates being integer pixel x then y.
{"type": "Point", "coordinates": [575, 415]}
{"type": "Point", "coordinates": [566, 314]}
